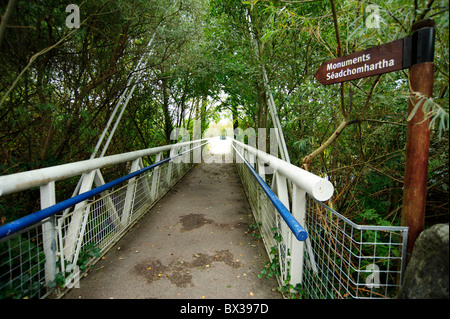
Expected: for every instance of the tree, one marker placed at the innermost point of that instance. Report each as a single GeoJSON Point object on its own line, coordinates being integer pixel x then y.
{"type": "Point", "coordinates": [60, 86]}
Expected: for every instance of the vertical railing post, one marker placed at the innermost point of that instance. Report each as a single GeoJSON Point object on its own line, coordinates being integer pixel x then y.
{"type": "Point", "coordinates": [279, 187]}
{"type": "Point", "coordinates": [155, 178]}
{"type": "Point", "coordinates": [297, 249]}
{"type": "Point", "coordinates": [180, 162]}
{"type": "Point", "coordinates": [73, 231]}
{"type": "Point", "coordinates": [129, 197]}
{"type": "Point", "coordinates": [169, 171]}
{"type": "Point", "coordinates": [260, 192]}
{"type": "Point", "coordinates": [197, 132]}
{"type": "Point", "coordinates": [261, 169]}
{"type": "Point", "coordinates": [252, 159]}
{"type": "Point", "coordinates": [147, 189]}
{"type": "Point", "coordinates": [48, 199]}
{"type": "Point", "coordinates": [111, 207]}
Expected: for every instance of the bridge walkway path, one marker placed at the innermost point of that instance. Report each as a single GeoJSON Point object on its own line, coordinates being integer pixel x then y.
{"type": "Point", "coordinates": [193, 244]}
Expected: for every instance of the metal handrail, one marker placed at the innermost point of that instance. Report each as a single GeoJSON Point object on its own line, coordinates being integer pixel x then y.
{"type": "Point", "coordinates": [22, 181]}
{"type": "Point", "coordinates": [31, 219]}
{"type": "Point", "coordinates": [297, 229]}
{"type": "Point", "coordinates": [316, 186]}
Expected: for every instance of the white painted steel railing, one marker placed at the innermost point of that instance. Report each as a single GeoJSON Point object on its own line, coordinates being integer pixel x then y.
{"type": "Point", "coordinates": [290, 184]}
{"type": "Point", "coordinates": [351, 261]}
{"type": "Point", "coordinates": [338, 259]}
{"type": "Point", "coordinates": [47, 256]}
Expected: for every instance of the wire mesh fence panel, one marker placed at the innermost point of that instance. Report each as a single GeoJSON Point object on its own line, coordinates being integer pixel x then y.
{"type": "Point", "coordinates": [22, 265]}
{"type": "Point", "coordinates": [346, 260]}
{"type": "Point", "coordinates": [274, 233]}
{"type": "Point", "coordinates": [341, 259]}
{"type": "Point", "coordinates": [109, 215]}
{"type": "Point", "coordinates": [102, 220]}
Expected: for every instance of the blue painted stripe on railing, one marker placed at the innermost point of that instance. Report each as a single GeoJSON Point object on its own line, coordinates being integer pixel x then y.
{"type": "Point", "coordinates": [297, 229]}
{"type": "Point", "coordinates": [34, 218]}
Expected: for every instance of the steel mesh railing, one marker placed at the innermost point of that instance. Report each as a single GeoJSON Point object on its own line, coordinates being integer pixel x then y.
{"type": "Point", "coordinates": [22, 265]}
{"type": "Point", "coordinates": [346, 260]}
{"type": "Point", "coordinates": [275, 235]}
{"type": "Point", "coordinates": [104, 223]}
{"type": "Point", "coordinates": [26, 272]}
{"type": "Point", "coordinates": [340, 258]}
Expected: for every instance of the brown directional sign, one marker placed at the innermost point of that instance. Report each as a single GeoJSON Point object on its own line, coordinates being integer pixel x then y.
{"type": "Point", "coordinates": [377, 60]}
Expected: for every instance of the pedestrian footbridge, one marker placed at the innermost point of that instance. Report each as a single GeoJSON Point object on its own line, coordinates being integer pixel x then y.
{"type": "Point", "coordinates": [209, 218]}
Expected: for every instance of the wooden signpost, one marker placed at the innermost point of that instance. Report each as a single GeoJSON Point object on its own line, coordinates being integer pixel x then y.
{"type": "Point", "coordinates": [415, 52]}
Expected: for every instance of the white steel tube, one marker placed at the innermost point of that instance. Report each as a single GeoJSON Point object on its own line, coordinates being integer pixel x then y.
{"type": "Point", "coordinates": [132, 78]}
{"type": "Point", "coordinates": [319, 188]}
{"type": "Point", "coordinates": [21, 181]}
{"type": "Point", "coordinates": [111, 134]}
{"type": "Point", "coordinates": [48, 198]}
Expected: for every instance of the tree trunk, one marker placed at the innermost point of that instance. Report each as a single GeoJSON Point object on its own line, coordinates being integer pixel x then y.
{"type": "Point", "coordinates": [166, 111]}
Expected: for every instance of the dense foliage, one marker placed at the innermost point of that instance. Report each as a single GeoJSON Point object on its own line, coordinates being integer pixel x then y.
{"type": "Point", "coordinates": [59, 87]}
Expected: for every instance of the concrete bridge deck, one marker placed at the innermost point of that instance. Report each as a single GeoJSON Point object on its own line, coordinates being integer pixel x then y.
{"type": "Point", "coordinates": [193, 244]}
